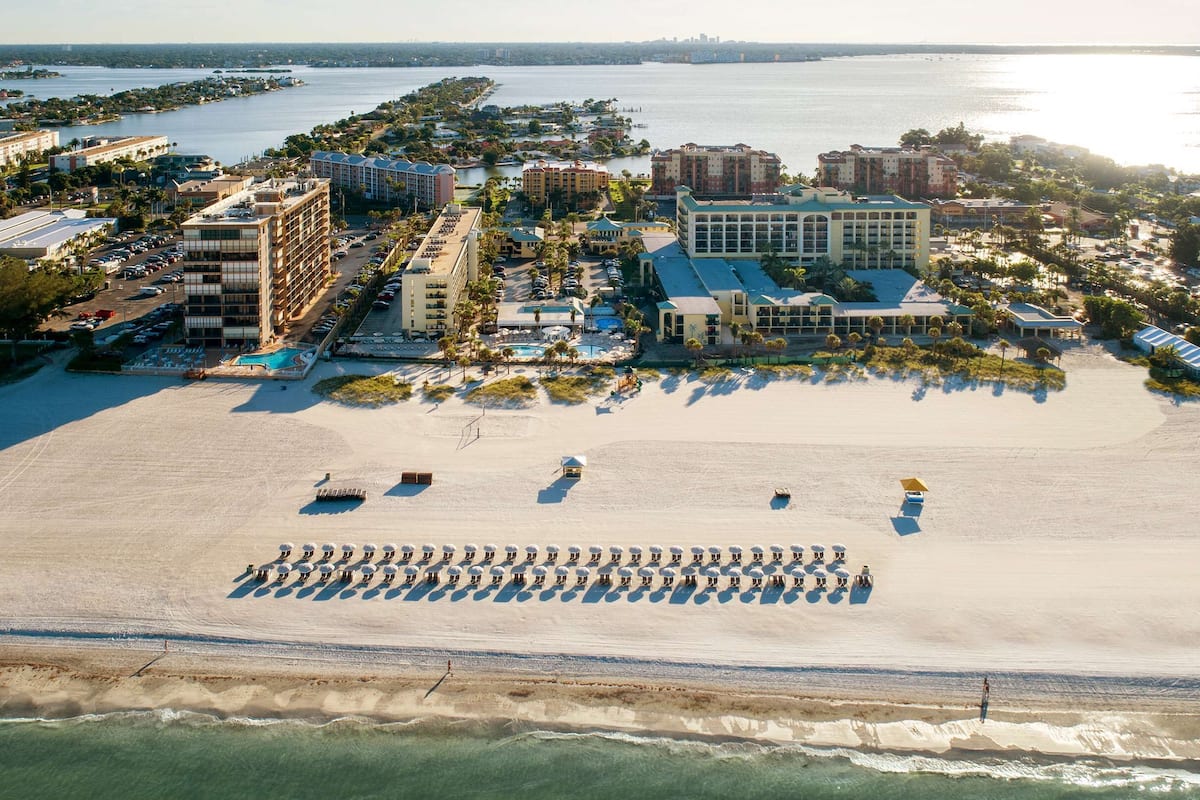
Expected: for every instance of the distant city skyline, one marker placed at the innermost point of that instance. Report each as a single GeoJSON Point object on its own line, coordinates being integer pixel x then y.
{"type": "Point", "coordinates": [872, 21]}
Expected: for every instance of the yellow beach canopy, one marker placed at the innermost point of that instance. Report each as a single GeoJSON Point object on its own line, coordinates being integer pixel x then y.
{"type": "Point", "coordinates": [913, 485]}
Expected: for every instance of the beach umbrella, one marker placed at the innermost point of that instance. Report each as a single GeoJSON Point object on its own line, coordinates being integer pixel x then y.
{"type": "Point", "coordinates": [676, 551]}
{"type": "Point", "coordinates": [656, 552]}
{"type": "Point", "coordinates": [757, 551]}
{"type": "Point", "coordinates": [714, 572]}
{"type": "Point", "coordinates": [496, 571]}
{"type": "Point", "coordinates": [470, 549]}
{"type": "Point", "coordinates": [818, 551]}
{"type": "Point", "coordinates": [698, 553]}
{"type": "Point", "coordinates": [777, 552]}
{"type": "Point", "coordinates": [913, 485]}
{"type": "Point", "coordinates": [283, 569]}
{"type": "Point", "coordinates": [531, 550]}
{"type": "Point", "coordinates": [735, 550]}
{"type": "Point", "coordinates": [325, 569]}
{"type": "Point", "coordinates": [410, 572]}
{"type": "Point", "coordinates": [595, 550]}
{"type": "Point", "coordinates": [348, 550]}
{"type": "Point", "coordinates": [540, 570]}
{"type": "Point", "coordinates": [390, 569]}
{"type": "Point", "coordinates": [369, 548]}
{"type": "Point", "coordinates": [734, 572]}
{"type": "Point", "coordinates": [552, 548]}
{"type": "Point", "coordinates": [842, 573]}
{"type": "Point", "coordinates": [407, 549]}
{"type": "Point", "coordinates": [428, 549]}
{"type": "Point", "coordinates": [645, 572]}
{"type": "Point", "coordinates": [635, 550]}
{"type": "Point", "coordinates": [625, 572]}
{"type": "Point", "coordinates": [797, 552]}
{"type": "Point", "coordinates": [757, 574]}
{"type": "Point", "coordinates": [287, 547]}
{"type": "Point", "coordinates": [328, 548]}
{"type": "Point", "coordinates": [475, 570]}
{"type": "Point", "coordinates": [304, 568]}
{"type": "Point", "coordinates": [839, 552]}
{"type": "Point", "coordinates": [511, 548]}
{"type": "Point", "coordinates": [308, 547]}
{"type": "Point", "coordinates": [489, 550]}
{"type": "Point", "coordinates": [367, 570]}
{"type": "Point", "coordinates": [454, 571]}
{"type": "Point", "coordinates": [389, 551]}
{"type": "Point", "coordinates": [669, 572]}
{"type": "Point", "coordinates": [583, 572]}
{"type": "Point", "coordinates": [562, 570]}
{"type": "Point", "coordinates": [449, 548]}
{"type": "Point", "coordinates": [820, 574]}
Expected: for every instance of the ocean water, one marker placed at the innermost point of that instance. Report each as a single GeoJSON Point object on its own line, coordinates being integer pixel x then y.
{"type": "Point", "coordinates": [1136, 109]}
{"type": "Point", "coordinates": [139, 755]}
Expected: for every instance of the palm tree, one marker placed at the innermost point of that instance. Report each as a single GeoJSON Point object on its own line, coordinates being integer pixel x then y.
{"type": "Point", "coordinates": [854, 337]}
{"type": "Point", "coordinates": [464, 362]}
{"type": "Point", "coordinates": [1003, 344]}
{"type": "Point", "coordinates": [907, 320]}
{"type": "Point", "coordinates": [537, 315]}
{"type": "Point", "coordinates": [955, 328]}
{"type": "Point", "coordinates": [694, 346]}
{"type": "Point", "coordinates": [935, 334]}
{"type": "Point", "coordinates": [778, 345]}
{"type": "Point", "coordinates": [875, 323]}
{"type": "Point", "coordinates": [449, 352]}
{"type": "Point", "coordinates": [833, 341]}
{"type": "Point", "coordinates": [909, 346]}
{"type": "Point", "coordinates": [506, 355]}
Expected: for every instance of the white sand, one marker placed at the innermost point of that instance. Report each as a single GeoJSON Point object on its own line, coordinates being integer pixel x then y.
{"type": "Point", "coordinates": [1059, 535]}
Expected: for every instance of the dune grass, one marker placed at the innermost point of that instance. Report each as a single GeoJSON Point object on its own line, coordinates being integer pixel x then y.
{"type": "Point", "coordinates": [576, 389]}
{"type": "Point", "coordinates": [1177, 386]}
{"type": "Point", "coordinates": [364, 390]}
{"type": "Point", "coordinates": [974, 365]}
{"type": "Point", "coordinates": [437, 393]}
{"type": "Point", "coordinates": [518, 391]}
{"type": "Point", "coordinates": [771, 371]}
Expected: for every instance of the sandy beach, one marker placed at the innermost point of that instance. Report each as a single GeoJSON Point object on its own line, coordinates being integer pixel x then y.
{"type": "Point", "coordinates": [1056, 541]}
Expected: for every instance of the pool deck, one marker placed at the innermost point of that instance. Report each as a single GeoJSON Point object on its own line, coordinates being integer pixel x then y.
{"type": "Point", "coordinates": [400, 348]}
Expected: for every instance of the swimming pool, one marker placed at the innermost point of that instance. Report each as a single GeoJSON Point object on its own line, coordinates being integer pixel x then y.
{"type": "Point", "coordinates": [282, 358]}
{"type": "Point", "coordinates": [608, 323]}
{"type": "Point", "coordinates": [586, 351]}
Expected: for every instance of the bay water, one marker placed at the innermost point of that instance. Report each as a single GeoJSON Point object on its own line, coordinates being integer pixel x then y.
{"type": "Point", "coordinates": [1137, 109]}
{"type": "Point", "coordinates": [138, 755]}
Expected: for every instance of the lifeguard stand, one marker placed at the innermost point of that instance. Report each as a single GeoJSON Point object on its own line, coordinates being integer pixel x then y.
{"type": "Point", "coordinates": [572, 466]}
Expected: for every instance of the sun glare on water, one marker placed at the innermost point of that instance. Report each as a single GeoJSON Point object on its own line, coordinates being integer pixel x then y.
{"type": "Point", "coordinates": [1099, 100]}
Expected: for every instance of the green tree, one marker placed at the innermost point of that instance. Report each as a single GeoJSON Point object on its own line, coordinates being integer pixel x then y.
{"type": "Point", "coordinates": [27, 298]}
{"type": "Point", "coordinates": [694, 347]}
{"type": "Point", "coordinates": [1185, 245]}
{"type": "Point", "coordinates": [1003, 344]}
{"type": "Point", "coordinates": [833, 341]}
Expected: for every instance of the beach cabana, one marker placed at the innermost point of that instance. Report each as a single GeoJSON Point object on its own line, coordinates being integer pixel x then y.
{"type": "Point", "coordinates": [448, 551]}
{"type": "Point", "coordinates": [573, 553]}
{"type": "Point", "coordinates": [647, 576]}
{"type": "Point", "coordinates": [626, 575]}
{"type": "Point", "coordinates": [510, 552]}
{"type": "Point", "coordinates": [756, 578]}
{"type": "Point", "coordinates": [369, 551]}
{"type": "Point", "coordinates": [797, 553]}
{"type": "Point", "coordinates": [820, 575]}
{"type": "Point", "coordinates": [453, 574]}
{"type": "Point", "coordinates": [839, 552]}
{"type": "Point", "coordinates": [697, 555]}
{"type": "Point", "coordinates": [572, 466]}
{"type": "Point", "coordinates": [531, 553]}
{"type": "Point", "coordinates": [328, 549]}
{"type": "Point", "coordinates": [756, 554]}
{"type": "Point", "coordinates": [497, 573]}
{"type": "Point", "coordinates": [635, 555]}
{"type": "Point", "coordinates": [735, 554]}
{"type": "Point", "coordinates": [581, 576]}
{"type": "Point", "coordinates": [864, 578]}
{"type": "Point", "coordinates": [410, 575]}
{"type": "Point", "coordinates": [388, 552]}
{"type": "Point", "coordinates": [389, 572]}
{"type": "Point", "coordinates": [818, 553]}
{"type": "Point", "coordinates": [303, 569]}
{"type": "Point", "coordinates": [433, 576]}
{"type": "Point", "coordinates": [714, 554]}
{"type": "Point", "coordinates": [713, 574]}
{"type": "Point", "coordinates": [263, 571]}
{"type": "Point", "coordinates": [469, 551]}
{"type": "Point", "coordinates": [735, 577]}
{"type": "Point", "coordinates": [776, 554]}
{"type": "Point", "coordinates": [427, 551]}
{"type": "Point", "coordinates": [798, 579]}
{"type": "Point", "coordinates": [668, 577]}
{"type": "Point", "coordinates": [489, 552]}
{"type": "Point", "coordinates": [595, 551]}
{"type": "Point", "coordinates": [324, 571]}
{"type": "Point", "coordinates": [286, 549]}
{"type": "Point", "coordinates": [348, 551]}
{"type": "Point", "coordinates": [676, 554]}
{"type": "Point", "coordinates": [689, 575]}
{"type": "Point", "coordinates": [539, 575]}
{"type": "Point", "coordinates": [476, 575]}
{"type": "Point", "coordinates": [552, 553]}
{"type": "Point", "coordinates": [560, 575]}
{"type": "Point", "coordinates": [406, 552]}
{"type": "Point", "coordinates": [656, 554]}
{"type": "Point", "coordinates": [307, 549]}
{"type": "Point", "coordinates": [367, 571]}
{"type": "Point", "coordinates": [843, 578]}
{"type": "Point", "coordinates": [283, 570]}
{"type": "Point", "coordinates": [914, 490]}
{"type": "Point", "coordinates": [615, 553]}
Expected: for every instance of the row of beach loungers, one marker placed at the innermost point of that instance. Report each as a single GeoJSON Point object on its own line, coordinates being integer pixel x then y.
{"type": "Point", "coordinates": [655, 565]}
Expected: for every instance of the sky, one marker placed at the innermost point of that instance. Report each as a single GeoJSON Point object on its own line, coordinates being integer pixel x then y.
{"type": "Point", "coordinates": [865, 21]}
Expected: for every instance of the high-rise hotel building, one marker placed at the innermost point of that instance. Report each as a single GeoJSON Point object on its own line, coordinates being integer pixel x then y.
{"type": "Point", "coordinates": [910, 173]}
{"type": "Point", "coordinates": [715, 170]}
{"type": "Point", "coordinates": [254, 261]}
{"type": "Point", "coordinates": [436, 278]}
